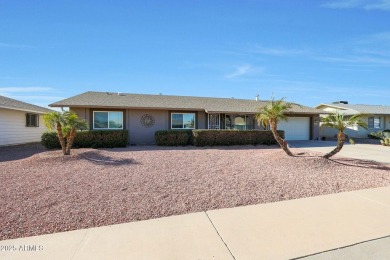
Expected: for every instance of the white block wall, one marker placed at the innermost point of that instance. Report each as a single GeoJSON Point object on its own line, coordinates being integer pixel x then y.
{"type": "Point", "coordinates": [13, 128]}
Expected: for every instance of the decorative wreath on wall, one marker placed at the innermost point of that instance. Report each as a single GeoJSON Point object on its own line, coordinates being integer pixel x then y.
{"type": "Point", "coordinates": [147, 120]}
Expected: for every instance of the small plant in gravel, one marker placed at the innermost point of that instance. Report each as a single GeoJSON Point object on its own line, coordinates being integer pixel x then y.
{"type": "Point", "coordinates": [376, 135]}
{"type": "Point", "coordinates": [386, 133]}
{"type": "Point", "coordinates": [65, 123]}
{"type": "Point", "coordinates": [271, 114]}
{"type": "Point", "coordinates": [380, 134]}
{"type": "Point", "coordinates": [339, 122]}
{"type": "Point", "coordinates": [385, 141]}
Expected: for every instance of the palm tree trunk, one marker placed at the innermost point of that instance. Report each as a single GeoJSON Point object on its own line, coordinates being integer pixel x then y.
{"type": "Point", "coordinates": [340, 144]}
{"type": "Point", "coordinates": [69, 144]}
{"type": "Point", "coordinates": [61, 138]}
{"type": "Point", "coordinates": [283, 144]}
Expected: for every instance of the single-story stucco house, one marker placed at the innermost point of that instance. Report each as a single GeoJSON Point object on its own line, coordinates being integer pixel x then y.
{"type": "Point", "coordinates": [377, 119]}
{"type": "Point", "coordinates": [142, 115]}
{"type": "Point", "coordinates": [20, 122]}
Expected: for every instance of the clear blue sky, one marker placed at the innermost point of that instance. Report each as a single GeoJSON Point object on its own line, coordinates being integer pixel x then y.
{"type": "Point", "coordinates": [307, 51]}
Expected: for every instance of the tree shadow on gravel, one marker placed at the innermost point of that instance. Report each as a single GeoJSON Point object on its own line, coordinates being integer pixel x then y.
{"type": "Point", "coordinates": [97, 158]}
{"type": "Point", "coordinates": [19, 152]}
{"type": "Point", "coordinates": [349, 161]}
{"type": "Point", "coordinates": [361, 163]}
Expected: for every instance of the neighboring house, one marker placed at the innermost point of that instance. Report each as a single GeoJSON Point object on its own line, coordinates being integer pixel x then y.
{"type": "Point", "coordinates": [143, 115]}
{"type": "Point", "coordinates": [377, 119]}
{"type": "Point", "coordinates": [20, 122]}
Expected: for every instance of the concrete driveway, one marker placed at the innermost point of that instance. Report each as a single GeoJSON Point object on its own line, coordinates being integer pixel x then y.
{"type": "Point", "coordinates": [371, 152]}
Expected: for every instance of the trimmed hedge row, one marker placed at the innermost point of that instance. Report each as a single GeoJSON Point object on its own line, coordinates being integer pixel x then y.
{"type": "Point", "coordinates": [202, 137]}
{"type": "Point", "coordinates": [173, 137]}
{"type": "Point", "coordinates": [89, 139]}
{"type": "Point", "coordinates": [234, 137]}
{"type": "Point", "coordinates": [50, 140]}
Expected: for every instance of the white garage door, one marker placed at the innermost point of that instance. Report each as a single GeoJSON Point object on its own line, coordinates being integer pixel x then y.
{"type": "Point", "coordinates": [296, 128]}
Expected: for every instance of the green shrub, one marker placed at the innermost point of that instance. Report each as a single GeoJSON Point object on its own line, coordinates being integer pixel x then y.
{"type": "Point", "coordinates": [50, 140]}
{"type": "Point", "coordinates": [173, 137]}
{"type": "Point", "coordinates": [380, 134]}
{"type": "Point", "coordinates": [386, 133]}
{"type": "Point", "coordinates": [376, 135]}
{"type": "Point", "coordinates": [89, 139]}
{"type": "Point", "coordinates": [205, 137]}
{"type": "Point", "coordinates": [233, 137]}
{"type": "Point", "coordinates": [385, 141]}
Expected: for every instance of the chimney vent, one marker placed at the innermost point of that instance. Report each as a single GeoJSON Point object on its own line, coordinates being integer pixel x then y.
{"type": "Point", "coordinates": [257, 97]}
{"type": "Point", "coordinates": [340, 102]}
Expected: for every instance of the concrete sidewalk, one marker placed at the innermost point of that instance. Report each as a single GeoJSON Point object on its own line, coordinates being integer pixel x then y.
{"type": "Point", "coordinates": [370, 250]}
{"type": "Point", "coordinates": [370, 152]}
{"type": "Point", "coordinates": [282, 230]}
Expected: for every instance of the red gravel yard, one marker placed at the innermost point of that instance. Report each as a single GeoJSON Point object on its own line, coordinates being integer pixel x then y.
{"type": "Point", "coordinates": [44, 192]}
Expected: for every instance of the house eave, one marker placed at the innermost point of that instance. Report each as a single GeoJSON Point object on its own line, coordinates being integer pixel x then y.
{"type": "Point", "coordinates": [23, 110]}
{"type": "Point", "coordinates": [128, 107]}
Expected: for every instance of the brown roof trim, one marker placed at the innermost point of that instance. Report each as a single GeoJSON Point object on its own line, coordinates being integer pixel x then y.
{"type": "Point", "coordinates": [24, 110]}
{"type": "Point", "coordinates": [135, 108]}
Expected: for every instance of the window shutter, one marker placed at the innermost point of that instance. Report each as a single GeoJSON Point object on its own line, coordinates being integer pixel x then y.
{"type": "Point", "coordinates": [370, 122]}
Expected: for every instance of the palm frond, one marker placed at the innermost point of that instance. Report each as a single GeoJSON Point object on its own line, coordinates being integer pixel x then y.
{"type": "Point", "coordinates": [51, 119]}
{"type": "Point", "coordinates": [340, 122]}
{"type": "Point", "coordinates": [274, 111]}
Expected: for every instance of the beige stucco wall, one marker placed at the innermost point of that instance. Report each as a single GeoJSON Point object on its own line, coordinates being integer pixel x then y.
{"type": "Point", "coordinates": [315, 130]}
{"type": "Point", "coordinates": [82, 112]}
{"type": "Point", "coordinates": [202, 120]}
{"type": "Point", "coordinates": [13, 128]}
{"type": "Point", "coordinates": [138, 134]}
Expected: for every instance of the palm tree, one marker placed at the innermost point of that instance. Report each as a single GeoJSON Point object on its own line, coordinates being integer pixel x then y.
{"type": "Point", "coordinates": [65, 123]}
{"type": "Point", "coordinates": [271, 114]}
{"type": "Point", "coordinates": [339, 122]}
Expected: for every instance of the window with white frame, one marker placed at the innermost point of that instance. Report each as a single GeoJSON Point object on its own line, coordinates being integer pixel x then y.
{"type": "Point", "coordinates": [107, 120]}
{"type": "Point", "coordinates": [182, 120]}
{"type": "Point", "coordinates": [374, 122]}
{"type": "Point", "coordinates": [32, 120]}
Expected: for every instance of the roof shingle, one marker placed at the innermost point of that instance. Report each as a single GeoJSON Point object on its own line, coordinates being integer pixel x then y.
{"type": "Point", "coordinates": [124, 100]}
{"type": "Point", "coordinates": [10, 103]}
{"type": "Point", "coordinates": [364, 109]}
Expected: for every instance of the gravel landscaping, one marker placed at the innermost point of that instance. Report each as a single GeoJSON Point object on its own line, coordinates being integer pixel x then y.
{"type": "Point", "coordinates": [44, 192]}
